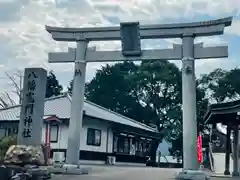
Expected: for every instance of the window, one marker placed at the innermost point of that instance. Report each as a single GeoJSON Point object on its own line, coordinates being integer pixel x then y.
{"type": "Point", "coordinates": [54, 133]}
{"type": "Point", "coordinates": [133, 147]}
{"type": "Point", "coordinates": [9, 131]}
{"type": "Point", "coordinates": [2, 133]}
{"type": "Point", "coordinates": [121, 144]}
{"type": "Point", "coordinates": [93, 137]}
{"type": "Point", "coordinates": [115, 143]}
{"type": "Point", "coordinates": [126, 145]}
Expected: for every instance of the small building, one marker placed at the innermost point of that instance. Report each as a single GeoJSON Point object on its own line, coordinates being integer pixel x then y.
{"type": "Point", "coordinates": [104, 133]}
{"type": "Point", "coordinates": [225, 121]}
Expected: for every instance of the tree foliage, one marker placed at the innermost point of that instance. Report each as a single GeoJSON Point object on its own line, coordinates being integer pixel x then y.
{"type": "Point", "coordinates": [215, 87]}
{"type": "Point", "coordinates": [53, 88]}
{"type": "Point", "coordinates": [151, 93]}
{"type": "Point", "coordinates": [176, 150]}
{"type": "Point", "coordinates": [5, 143]}
{"type": "Point", "coordinates": [113, 89]}
{"type": "Point", "coordinates": [159, 89]}
{"type": "Point", "coordinates": [112, 81]}
{"type": "Point", "coordinates": [230, 85]}
{"type": "Point", "coordinates": [211, 83]}
{"type": "Point", "coordinates": [222, 85]}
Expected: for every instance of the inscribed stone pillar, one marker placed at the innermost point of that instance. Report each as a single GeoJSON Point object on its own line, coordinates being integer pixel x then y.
{"type": "Point", "coordinates": [32, 107]}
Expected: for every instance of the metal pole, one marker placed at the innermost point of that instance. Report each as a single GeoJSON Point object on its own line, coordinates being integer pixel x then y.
{"type": "Point", "coordinates": [75, 125]}
{"type": "Point", "coordinates": [189, 106]}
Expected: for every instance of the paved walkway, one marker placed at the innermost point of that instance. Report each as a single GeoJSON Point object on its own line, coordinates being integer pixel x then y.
{"type": "Point", "coordinates": [128, 173]}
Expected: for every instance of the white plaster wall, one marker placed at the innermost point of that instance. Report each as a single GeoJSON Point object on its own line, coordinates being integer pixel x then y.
{"type": "Point", "coordinates": [110, 140]}
{"type": "Point", "coordinates": [62, 138]}
{"type": "Point", "coordinates": [106, 131]}
{"type": "Point", "coordinates": [95, 124]}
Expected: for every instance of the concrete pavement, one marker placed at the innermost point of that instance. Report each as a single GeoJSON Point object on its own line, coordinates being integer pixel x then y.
{"type": "Point", "coordinates": [128, 173]}
{"type": "Point", "coordinates": [120, 173]}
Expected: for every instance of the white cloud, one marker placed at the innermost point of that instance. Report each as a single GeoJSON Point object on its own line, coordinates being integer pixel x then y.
{"type": "Point", "coordinates": [26, 43]}
{"type": "Point", "coordinates": [234, 28]}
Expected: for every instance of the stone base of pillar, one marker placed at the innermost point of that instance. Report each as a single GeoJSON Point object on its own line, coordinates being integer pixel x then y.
{"type": "Point", "coordinates": [235, 174]}
{"type": "Point", "coordinates": [68, 169]}
{"type": "Point", "coordinates": [226, 172]}
{"type": "Point", "coordinates": [192, 175]}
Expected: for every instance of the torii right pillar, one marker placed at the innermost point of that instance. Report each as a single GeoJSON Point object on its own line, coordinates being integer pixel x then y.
{"type": "Point", "coordinates": [189, 104]}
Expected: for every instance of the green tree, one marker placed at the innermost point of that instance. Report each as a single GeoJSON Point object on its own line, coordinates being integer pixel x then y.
{"type": "Point", "coordinates": [158, 88]}
{"type": "Point", "coordinates": [216, 87]}
{"type": "Point", "coordinates": [202, 105]}
{"type": "Point", "coordinates": [212, 84]}
{"type": "Point", "coordinates": [149, 92]}
{"type": "Point", "coordinates": [53, 88]}
{"type": "Point", "coordinates": [70, 87]}
{"type": "Point", "coordinates": [5, 143]}
{"type": "Point", "coordinates": [221, 85]}
{"type": "Point", "coordinates": [229, 85]}
{"type": "Point", "coordinates": [176, 136]}
{"type": "Point", "coordinates": [113, 89]}
{"type": "Point", "coordinates": [176, 149]}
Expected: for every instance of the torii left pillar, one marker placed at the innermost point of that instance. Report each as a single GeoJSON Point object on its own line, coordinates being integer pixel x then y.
{"type": "Point", "coordinates": [73, 146]}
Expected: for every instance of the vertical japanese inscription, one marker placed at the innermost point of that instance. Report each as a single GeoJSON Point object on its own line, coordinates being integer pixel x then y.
{"type": "Point", "coordinates": [32, 109]}
{"type": "Point", "coordinates": [29, 105]}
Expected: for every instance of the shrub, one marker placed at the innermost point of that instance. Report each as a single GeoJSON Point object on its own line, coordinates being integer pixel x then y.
{"type": "Point", "coordinates": [5, 143]}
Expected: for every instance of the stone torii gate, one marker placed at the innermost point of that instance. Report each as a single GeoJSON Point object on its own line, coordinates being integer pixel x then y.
{"type": "Point", "coordinates": [186, 52]}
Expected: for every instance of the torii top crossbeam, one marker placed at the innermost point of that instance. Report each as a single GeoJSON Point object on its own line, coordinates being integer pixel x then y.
{"type": "Point", "coordinates": [177, 30]}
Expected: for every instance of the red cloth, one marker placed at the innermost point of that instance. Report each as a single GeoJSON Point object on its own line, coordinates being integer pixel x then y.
{"type": "Point", "coordinates": [199, 148]}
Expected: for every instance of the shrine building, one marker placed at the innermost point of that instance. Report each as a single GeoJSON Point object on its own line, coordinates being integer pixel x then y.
{"type": "Point", "coordinates": [224, 119]}
{"type": "Point", "coordinates": [104, 133]}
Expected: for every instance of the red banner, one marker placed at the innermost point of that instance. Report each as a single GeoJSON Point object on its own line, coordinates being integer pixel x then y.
{"type": "Point", "coordinates": [48, 139]}
{"type": "Point", "coordinates": [199, 148]}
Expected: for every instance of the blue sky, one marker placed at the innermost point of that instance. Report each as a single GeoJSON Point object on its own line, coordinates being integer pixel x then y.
{"type": "Point", "coordinates": [25, 43]}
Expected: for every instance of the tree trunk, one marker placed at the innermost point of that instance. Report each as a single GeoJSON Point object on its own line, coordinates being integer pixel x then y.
{"type": "Point", "coordinates": [153, 151]}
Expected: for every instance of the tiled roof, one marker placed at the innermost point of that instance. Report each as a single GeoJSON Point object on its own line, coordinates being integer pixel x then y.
{"type": "Point", "coordinates": [61, 107]}
{"type": "Point", "coordinates": [226, 107]}
{"type": "Point", "coordinates": [227, 103]}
